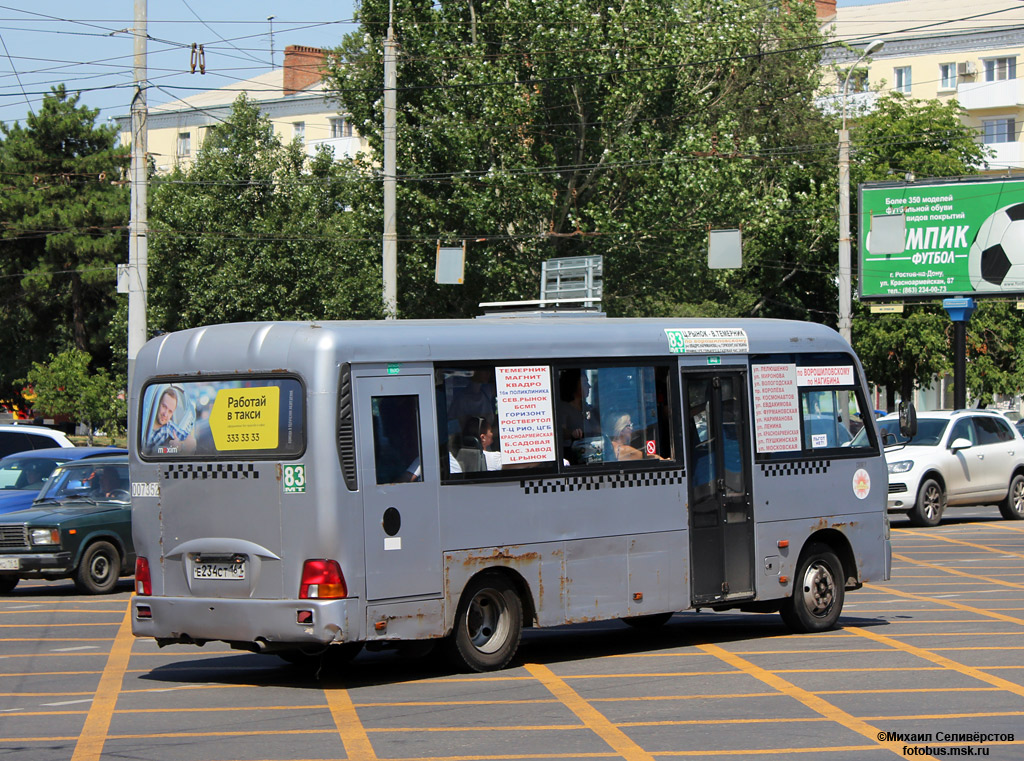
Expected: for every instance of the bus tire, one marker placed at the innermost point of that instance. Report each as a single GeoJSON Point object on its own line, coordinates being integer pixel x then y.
{"type": "Point", "coordinates": [930, 504]}
{"type": "Point", "coordinates": [99, 569]}
{"type": "Point", "coordinates": [488, 624]}
{"type": "Point", "coordinates": [7, 584]}
{"type": "Point", "coordinates": [648, 622]}
{"type": "Point", "coordinates": [818, 592]}
{"type": "Point", "coordinates": [1012, 507]}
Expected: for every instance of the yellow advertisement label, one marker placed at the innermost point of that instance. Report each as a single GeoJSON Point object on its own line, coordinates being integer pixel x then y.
{"type": "Point", "coordinates": [245, 418]}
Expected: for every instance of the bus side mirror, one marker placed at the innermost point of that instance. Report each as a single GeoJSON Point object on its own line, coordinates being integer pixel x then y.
{"type": "Point", "coordinates": [908, 419]}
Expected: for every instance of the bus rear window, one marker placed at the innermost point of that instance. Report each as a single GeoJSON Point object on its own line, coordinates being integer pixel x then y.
{"type": "Point", "coordinates": [254, 417]}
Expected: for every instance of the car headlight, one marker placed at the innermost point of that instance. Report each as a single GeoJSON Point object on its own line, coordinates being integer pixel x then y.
{"type": "Point", "coordinates": [44, 535]}
{"type": "Point", "coordinates": [901, 467]}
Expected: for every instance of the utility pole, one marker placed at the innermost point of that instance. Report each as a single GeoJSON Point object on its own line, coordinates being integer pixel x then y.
{"type": "Point", "coordinates": [270, 20]}
{"type": "Point", "coordinates": [845, 267]}
{"type": "Point", "coordinates": [390, 243]}
{"type": "Point", "coordinates": [137, 226]}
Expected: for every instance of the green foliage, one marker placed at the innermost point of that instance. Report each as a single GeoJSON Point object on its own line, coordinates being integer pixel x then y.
{"type": "Point", "coordinates": [63, 223]}
{"type": "Point", "coordinates": [576, 127]}
{"type": "Point", "coordinates": [926, 138]}
{"type": "Point", "coordinates": [66, 386]}
{"type": "Point", "coordinates": [256, 231]}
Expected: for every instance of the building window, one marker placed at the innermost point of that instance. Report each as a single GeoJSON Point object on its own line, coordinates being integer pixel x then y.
{"type": "Point", "coordinates": [858, 79]}
{"type": "Point", "coordinates": [299, 131]}
{"type": "Point", "coordinates": [902, 77]}
{"type": "Point", "coordinates": [947, 76]}
{"type": "Point", "coordinates": [341, 127]}
{"type": "Point", "coordinates": [1002, 130]}
{"type": "Point", "coordinates": [184, 143]}
{"type": "Point", "coordinates": [1000, 69]}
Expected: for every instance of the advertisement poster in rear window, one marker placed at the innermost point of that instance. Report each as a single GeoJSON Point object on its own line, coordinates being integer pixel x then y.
{"type": "Point", "coordinates": [252, 418]}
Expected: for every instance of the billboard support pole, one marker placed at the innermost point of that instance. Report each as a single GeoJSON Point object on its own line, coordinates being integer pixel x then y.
{"type": "Point", "coordinates": [959, 311]}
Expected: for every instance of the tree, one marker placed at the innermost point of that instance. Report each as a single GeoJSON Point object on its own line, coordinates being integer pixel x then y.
{"type": "Point", "coordinates": [926, 139]}
{"type": "Point", "coordinates": [255, 231]}
{"type": "Point", "coordinates": [66, 386]}
{"type": "Point", "coordinates": [577, 127]}
{"type": "Point", "coordinates": [63, 221]}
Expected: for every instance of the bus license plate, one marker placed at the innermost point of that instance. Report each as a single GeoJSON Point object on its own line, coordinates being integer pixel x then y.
{"type": "Point", "coordinates": [9, 564]}
{"type": "Point", "coordinates": [218, 571]}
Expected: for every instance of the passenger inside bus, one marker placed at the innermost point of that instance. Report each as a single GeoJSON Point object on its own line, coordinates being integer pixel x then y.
{"type": "Point", "coordinates": [475, 448]}
{"type": "Point", "coordinates": [576, 418]}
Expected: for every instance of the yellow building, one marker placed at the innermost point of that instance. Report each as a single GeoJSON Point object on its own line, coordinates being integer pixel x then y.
{"type": "Point", "coordinates": [940, 49]}
{"type": "Point", "coordinates": [292, 97]}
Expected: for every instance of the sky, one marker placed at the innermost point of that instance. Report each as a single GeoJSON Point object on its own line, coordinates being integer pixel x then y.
{"type": "Point", "coordinates": [84, 44]}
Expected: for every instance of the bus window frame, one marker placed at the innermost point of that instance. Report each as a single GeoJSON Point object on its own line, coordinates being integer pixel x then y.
{"type": "Point", "coordinates": [816, 359]}
{"type": "Point", "coordinates": [556, 467]}
{"type": "Point", "coordinates": [183, 380]}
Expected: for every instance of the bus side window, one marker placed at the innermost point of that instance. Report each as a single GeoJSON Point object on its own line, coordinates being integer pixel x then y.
{"type": "Point", "coordinates": [396, 439]}
{"type": "Point", "coordinates": [614, 414]}
{"type": "Point", "coordinates": [467, 408]}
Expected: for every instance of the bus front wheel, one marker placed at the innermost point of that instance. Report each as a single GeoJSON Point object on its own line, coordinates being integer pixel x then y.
{"type": "Point", "coordinates": [488, 624]}
{"type": "Point", "coordinates": [818, 592]}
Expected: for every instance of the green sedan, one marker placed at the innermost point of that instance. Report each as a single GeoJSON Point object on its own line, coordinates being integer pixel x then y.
{"type": "Point", "coordinates": [79, 527]}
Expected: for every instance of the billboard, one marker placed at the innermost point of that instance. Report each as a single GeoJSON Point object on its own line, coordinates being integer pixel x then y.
{"type": "Point", "coordinates": [962, 238]}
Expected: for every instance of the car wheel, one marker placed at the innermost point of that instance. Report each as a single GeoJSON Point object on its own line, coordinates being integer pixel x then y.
{"type": "Point", "coordinates": [7, 584]}
{"type": "Point", "coordinates": [488, 624]}
{"type": "Point", "coordinates": [818, 592]}
{"type": "Point", "coordinates": [99, 569]}
{"type": "Point", "coordinates": [930, 505]}
{"type": "Point", "coordinates": [1012, 507]}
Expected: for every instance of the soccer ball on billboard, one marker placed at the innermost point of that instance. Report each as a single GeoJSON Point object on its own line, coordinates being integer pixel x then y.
{"type": "Point", "coordinates": [996, 260]}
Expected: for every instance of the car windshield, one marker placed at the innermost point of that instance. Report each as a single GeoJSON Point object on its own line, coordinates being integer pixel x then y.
{"type": "Point", "coordinates": [929, 432]}
{"type": "Point", "coordinates": [94, 482]}
{"type": "Point", "coordinates": [25, 473]}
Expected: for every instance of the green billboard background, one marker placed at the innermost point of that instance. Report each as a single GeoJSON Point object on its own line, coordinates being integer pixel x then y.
{"type": "Point", "coordinates": [963, 238]}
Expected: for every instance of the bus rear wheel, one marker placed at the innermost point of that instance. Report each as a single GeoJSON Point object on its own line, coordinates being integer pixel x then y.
{"type": "Point", "coordinates": [488, 624]}
{"type": "Point", "coordinates": [818, 592]}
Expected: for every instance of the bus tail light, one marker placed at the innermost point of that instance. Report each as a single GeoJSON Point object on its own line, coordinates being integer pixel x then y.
{"type": "Point", "coordinates": [143, 581]}
{"type": "Point", "coordinates": [322, 579]}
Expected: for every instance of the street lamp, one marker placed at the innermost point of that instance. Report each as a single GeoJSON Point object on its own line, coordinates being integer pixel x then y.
{"type": "Point", "coordinates": [845, 271]}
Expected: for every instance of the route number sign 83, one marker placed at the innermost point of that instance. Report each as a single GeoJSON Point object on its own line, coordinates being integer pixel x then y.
{"type": "Point", "coordinates": [294, 478]}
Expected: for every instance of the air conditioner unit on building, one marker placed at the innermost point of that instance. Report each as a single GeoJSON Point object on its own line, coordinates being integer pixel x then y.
{"type": "Point", "coordinates": [966, 69]}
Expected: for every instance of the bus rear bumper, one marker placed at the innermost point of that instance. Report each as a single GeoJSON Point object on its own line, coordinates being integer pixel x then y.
{"type": "Point", "coordinates": [258, 625]}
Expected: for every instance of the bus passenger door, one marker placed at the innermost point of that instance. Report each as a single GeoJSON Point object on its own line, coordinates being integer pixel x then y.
{"type": "Point", "coordinates": [399, 482]}
{"type": "Point", "coordinates": [718, 468]}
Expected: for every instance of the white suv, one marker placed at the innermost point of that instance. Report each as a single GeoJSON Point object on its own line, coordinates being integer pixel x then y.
{"type": "Point", "coordinates": [963, 457]}
{"type": "Point", "coordinates": [21, 438]}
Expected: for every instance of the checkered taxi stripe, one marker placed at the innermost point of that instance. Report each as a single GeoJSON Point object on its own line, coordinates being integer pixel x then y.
{"type": "Point", "coordinates": [611, 481]}
{"type": "Point", "coordinates": [800, 468]}
{"type": "Point", "coordinates": [210, 470]}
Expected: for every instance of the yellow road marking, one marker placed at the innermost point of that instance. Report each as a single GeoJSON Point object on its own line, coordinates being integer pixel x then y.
{"type": "Point", "coordinates": [948, 663]}
{"type": "Point", "coordinates": [809, 699]}
{"type": "Point", "coordinates": [592, 719]}
{"type": "Point", "coordinates": [90, 742]}
{"type": "Point", "coordinates": [950, 604]}
{"type": "Point", "coordinates": [986, 579]}
{"type": "Point", "coordinates": [986, 548]}
{"type": "Point", "coordinates": [346, 719]}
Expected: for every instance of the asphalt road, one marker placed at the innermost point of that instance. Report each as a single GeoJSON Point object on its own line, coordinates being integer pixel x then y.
{"type": "Point", "coordinates": [929, 662]}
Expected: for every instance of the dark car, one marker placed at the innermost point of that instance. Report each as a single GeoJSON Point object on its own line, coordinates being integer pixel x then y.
{"type": "Point", "coordinates": [22, 475]}
{"type": "Point", "coordinates": [79, 527]}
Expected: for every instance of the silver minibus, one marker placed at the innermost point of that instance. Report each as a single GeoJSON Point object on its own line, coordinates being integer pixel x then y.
{"type": "Point", "coordinates": [307, 489]}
